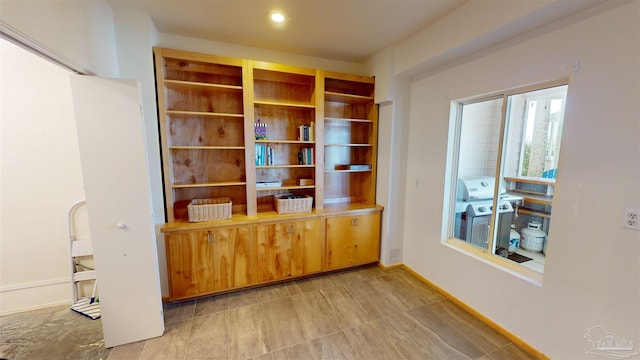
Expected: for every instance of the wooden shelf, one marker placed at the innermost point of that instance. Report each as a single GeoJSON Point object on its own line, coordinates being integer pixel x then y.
{"type": "Point", "coordinates": [348, 119]}
{"type": "Point", "coordinates": [284, 98]}
{"type": "Point", "coordinates": [285, 166]}
{"type": "Point", "coordinates": [190, 62]}
{"type": "Point", "coordinates": [198, 147]}
{"type": "Point", "coordinates": [347, 98]}
{"type": "Point", "coordinates": [281, 72]}
{"type": "Point", "coordinates": [283, 104]}
{"type": "Point", "coordinates": [350, 137]}
{"type": "Point", "coordinates": [539, 181]}
{"type": "Point", "coordinates": [208, 106]}
{"type": "Point", "coordinates": [285, 142]}
{"type": "Point", "coordinates": [211, 184]}
{"type": "Point", "coordinates": [533, 198]}
{"type": "Point", "coordinates": [534, 213]}
{"type": "Point", "coordinates": [202, 84]}
{"type": "Point", "coordinates": [201, 102]}
{"type": "Point", "coordinates": [204, 113]}
{"type": "Point", "coordinates": [292, 187]}
{"type": "Point", "coordinates": [347, 171]}
{"type": "Point", "coordinates": [350, 145]}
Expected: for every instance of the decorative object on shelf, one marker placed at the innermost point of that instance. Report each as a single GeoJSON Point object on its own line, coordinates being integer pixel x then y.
{"type": "Point", "coordinates": [209, 209]}
{"type": "Point", "coordinates": [260, 130]}
{"type": "Point", "coordinates": [292, 203]}
{"type": "Point", "coordinates": [306, 182]}
{"type": "Point", "coordinates": [266, 184]}
{"type": "Point", "coordinates": [353, 167]}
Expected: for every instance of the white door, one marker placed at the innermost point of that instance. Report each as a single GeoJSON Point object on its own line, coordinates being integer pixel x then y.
{"type": "Point", "coordinates": [112, 151]}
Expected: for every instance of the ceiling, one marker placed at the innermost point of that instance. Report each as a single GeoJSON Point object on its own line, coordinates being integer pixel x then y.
{"type": "Point", "coordinates": [348, 30]}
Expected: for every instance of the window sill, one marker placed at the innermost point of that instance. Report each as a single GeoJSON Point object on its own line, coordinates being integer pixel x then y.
{"type": "Point", "coordinates": [508, 266]}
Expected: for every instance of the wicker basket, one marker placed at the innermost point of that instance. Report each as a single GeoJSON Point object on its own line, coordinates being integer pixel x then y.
{"type": "Point", "coordinates": [209, 209]}
{"type": "Point", "coordinates": [287, 205]}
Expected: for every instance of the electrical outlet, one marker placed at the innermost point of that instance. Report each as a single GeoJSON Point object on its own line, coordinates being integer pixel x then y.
{"type": "Point", "coordinates": [631, 219]}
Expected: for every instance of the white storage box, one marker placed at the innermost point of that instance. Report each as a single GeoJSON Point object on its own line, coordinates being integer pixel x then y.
{"type": "Point", "coordinates": [209, 209]}
{"type": "Point", "coordinates": [291, 204]}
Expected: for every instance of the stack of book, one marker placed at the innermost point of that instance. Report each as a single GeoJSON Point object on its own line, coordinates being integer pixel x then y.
{"type": "Point", "coordinates": [267, 184]}
{"type": "Point", "coordinates": [264, 155]}
{"type": "Point", "coordinates": [306, 157]}
{"type": "Point", "coordinates": [306, 133]}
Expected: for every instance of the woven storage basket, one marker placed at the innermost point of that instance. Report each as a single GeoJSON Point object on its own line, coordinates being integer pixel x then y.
{"type": "Point", "coordinates": [209, 209]}
{"type": "Point", "coordinates": [285, 205]}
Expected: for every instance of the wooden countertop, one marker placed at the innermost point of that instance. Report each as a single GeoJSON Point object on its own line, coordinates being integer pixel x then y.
{"type": "Point", "coordinates": [270, 216]}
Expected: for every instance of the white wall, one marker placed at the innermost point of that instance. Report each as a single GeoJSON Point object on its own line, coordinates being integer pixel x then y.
{"type": "Point", "coordinates": [592, 274]}
{"type": "Point", "coordinates": [391, 93]}
{"type": "Point", "coordinates": [40, 156]}
{"type": "Point", "coordinates": [40, 179]}
{"type": "Point", "coordinates": [81, 32]}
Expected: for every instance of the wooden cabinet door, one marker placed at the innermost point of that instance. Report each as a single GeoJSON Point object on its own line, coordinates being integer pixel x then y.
{"type": "Point", "coordinates": [309, 233]}
{"type": "Point", "coordinates": [233, 257]}
{"type": "Point", "coordinates": [339, 242]}
{"type": "Point", "coordinates": [289, 249]}
{"type": "Point", "coordinates": [207, 261]}
{"type": "Point", "coordinates": [203, 264]}
{"type": "Point", "coordinates": [366, 238]}
{"type": "Point", "coordinates": [274, 251]}
{"type": "Point", "coordinates": [189, 262]}
{"type": "Point", "coordinates": [306, 246]}
{"type": "Point", "coordinates": [352, 240]}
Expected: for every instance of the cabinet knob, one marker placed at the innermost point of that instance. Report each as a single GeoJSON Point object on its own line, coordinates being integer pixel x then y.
{"type": "Point", "coordinates": [354, 222]}
{"type": "Point", "coordinates": [215, 237]}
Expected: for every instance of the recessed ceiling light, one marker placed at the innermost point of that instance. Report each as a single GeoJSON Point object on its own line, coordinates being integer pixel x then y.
{"type": "Point", "coordinates": [277, 16]}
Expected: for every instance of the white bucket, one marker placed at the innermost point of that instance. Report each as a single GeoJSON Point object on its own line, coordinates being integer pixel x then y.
{"type": "Point", "coordinates": [532, 238]}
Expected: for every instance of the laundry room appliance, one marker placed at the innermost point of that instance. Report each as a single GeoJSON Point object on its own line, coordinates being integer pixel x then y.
{"type": "Point", "coordinates": [474, 206]}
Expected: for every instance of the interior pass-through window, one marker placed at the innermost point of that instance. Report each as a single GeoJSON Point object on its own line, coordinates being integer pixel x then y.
{"type": "Point", "coordinates": [506, 150]}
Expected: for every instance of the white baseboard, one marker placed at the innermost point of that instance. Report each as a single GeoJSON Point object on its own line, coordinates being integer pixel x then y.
{"type": "Point", "coordinates": [35, 284]}
{"type": "Point", "coordinates": [35, 307]}
{"type": "Point", "coordinates": [17, 298]}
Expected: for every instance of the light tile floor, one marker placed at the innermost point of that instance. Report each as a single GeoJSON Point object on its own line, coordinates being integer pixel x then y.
{"type": "Point", "coordinates": [367, 313]}
{"type": "Point", "coordinates": [52, 333]}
